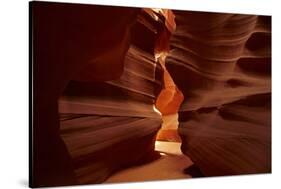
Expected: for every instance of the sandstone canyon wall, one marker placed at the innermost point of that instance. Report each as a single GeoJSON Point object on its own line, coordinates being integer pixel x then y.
{"type": "Point", "coordinates": [69, 42]}
{"type": "Point", "coordinates": [108, 126]}
{"type": "Point", "coordinates": [222, 64]}
{"type": "Point", "coordinates": [100, 74]}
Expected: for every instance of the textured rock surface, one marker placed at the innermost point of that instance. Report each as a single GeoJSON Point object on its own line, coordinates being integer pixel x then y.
{"type": "Point", "coordinates": [108, 126]}
{"type": "Point", "coordinates": [69, 41]}
{"type": "Point", "coordinates": [222, 64]}
{"type": "Point", "coordinates": [98, 72]}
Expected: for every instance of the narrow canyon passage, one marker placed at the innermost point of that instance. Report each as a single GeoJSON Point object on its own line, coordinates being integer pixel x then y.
{"type": "Point", "coordinates": [148, 94]}
{"type": "Point", "coordinates": [169, 166]}
{"type": "Point", "coordinates": [173, 162]}
{"type": "Point", "coordinates": [202, 60]}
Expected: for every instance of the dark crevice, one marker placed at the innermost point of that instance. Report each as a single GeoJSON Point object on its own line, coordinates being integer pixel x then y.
{"type": "Point", "coordinates": [194, 171]}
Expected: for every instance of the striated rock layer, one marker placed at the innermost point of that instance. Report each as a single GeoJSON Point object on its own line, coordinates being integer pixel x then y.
{"type": "Point", "coordinates": [69, 42]}
{"type": "Point", "coordinates": [222, 65]}
{"type": "Point", "coordinates": [100, 72]}
{"type": "Point", "coordinates": [109, 126]}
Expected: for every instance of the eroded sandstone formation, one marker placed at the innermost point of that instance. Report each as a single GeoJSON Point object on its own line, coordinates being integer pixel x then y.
{"type": "Point", "coordinates": [170, 97]}
{"type": "Point", "coordinates": [222, 64]}
{"type": "Point", "coordinates": [100, 74]}
{"type": "Point", "coordinates": [69, 41]}
{"type": "Point", "coordinates": [109, 126]}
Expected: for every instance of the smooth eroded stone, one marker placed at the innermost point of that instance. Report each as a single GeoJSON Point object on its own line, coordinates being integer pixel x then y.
{"type": "Point", "coordinates": [222, 65]}
{"type": "Point", "coordinates": [111, 125]}
{"type": "Point", "coordinates": [69, 42]}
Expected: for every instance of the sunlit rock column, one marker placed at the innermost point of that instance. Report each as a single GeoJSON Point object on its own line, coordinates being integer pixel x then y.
{"type": "Point", "coordinates": [170, 97]}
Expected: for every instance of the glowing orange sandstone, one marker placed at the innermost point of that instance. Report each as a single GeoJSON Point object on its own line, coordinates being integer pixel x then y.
{"type": "Point", "coordinates": [170, 98]}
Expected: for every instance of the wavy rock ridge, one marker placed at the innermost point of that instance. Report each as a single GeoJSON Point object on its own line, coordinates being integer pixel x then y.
{"type": "Point", "coordinates": [69, 42]}
{"type": "Point", "coordinates": [108, 126]}
{"type": "Point", "coordinates": [222, 64]}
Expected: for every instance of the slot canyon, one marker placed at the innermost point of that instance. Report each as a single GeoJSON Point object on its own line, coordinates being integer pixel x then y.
{"type": "Point", "coordinates": [126, 94]}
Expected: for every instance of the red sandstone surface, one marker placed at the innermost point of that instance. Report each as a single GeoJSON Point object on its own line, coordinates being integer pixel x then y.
{"type": "Point", "coordinates": [101, 73]}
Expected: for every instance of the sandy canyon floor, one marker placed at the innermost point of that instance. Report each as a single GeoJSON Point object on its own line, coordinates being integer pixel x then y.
{"type": "Point", "coordinates": [169, 166]}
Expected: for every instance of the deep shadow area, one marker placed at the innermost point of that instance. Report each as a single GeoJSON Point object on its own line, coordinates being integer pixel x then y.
{"type": "Point", "coordinates": [194, 171]}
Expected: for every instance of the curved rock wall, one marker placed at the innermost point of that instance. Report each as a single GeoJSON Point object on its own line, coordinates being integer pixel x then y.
{"type": "Point", "coordinates": [96, 86]}
{"type": "Point", "coordinates": [222, 64]}
{"type": "Point", "coordinates": [108, 126]}
{"type": "Point", "coordinates": [69, 42]}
